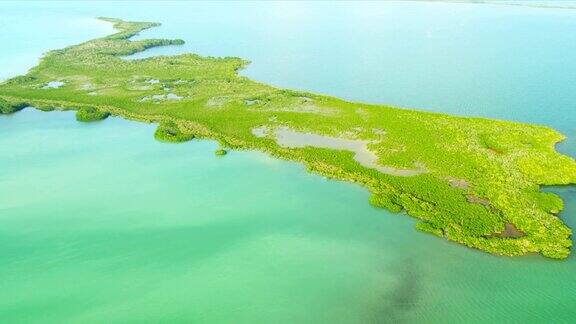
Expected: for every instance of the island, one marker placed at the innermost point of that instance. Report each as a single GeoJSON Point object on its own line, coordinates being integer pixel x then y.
{"type": "Point", "coordinates": [473, 181]}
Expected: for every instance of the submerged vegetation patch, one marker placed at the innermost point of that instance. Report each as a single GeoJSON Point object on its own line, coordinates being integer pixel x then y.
{"type": "Point", "coordinates": [472, 179]}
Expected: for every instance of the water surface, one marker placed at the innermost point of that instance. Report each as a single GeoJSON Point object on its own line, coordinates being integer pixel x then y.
{"type": "Point", "coordinates": [100, 223]}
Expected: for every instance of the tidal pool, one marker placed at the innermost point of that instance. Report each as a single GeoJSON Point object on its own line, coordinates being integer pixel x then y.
{"type": "Point", "coordinates": [161, 97]}
{"type": "Point", "coordinates": [53, 85]}
{"type": "Point", "coordinates": [287, 137]}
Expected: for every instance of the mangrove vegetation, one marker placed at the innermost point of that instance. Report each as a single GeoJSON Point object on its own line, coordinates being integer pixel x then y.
{"type": "Point", "coordinates": [89, 114]}
{"type": "Point", "coordinates": [473, 181]}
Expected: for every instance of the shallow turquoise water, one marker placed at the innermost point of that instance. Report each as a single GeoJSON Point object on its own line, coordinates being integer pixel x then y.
{"type": "Point", "coordinates": [100, 223]}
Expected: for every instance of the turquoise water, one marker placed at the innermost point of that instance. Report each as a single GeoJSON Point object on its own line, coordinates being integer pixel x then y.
{"type": "Point", "coordinates": [100, 223]}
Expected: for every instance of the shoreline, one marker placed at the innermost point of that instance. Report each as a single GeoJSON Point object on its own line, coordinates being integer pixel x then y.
{"type": "Point", "coordinates": [427, 197]}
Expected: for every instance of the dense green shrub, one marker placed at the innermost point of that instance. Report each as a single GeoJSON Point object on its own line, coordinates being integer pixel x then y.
{"type": "Point", "coordinates": [9, 108]}
{"type": "Point", "coordinates": [5, 107]}
{"type": "Point", "coordinates": [220, 152]}
{"type": "Point", "coordinates": [170, 132]}
{"type": "Point", "coordinates": [90, 114]}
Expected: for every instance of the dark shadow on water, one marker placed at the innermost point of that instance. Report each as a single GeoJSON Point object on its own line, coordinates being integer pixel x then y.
{"type": "Point", "coordinates": [396, 304]}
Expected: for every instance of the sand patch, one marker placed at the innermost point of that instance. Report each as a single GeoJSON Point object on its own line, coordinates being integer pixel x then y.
{"type": "Point", "coordinates": [510, 231]}
{"type": "Point", "coordinates": [477, 200]}
{"type": "Point", "coordinates": [458, 183]}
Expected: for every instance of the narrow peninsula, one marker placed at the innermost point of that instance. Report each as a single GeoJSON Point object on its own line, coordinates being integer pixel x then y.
{"type": "Point", "coordinates": [473, 181]}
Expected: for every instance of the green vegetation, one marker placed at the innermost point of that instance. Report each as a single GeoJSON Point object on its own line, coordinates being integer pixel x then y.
{"type": "Point", "coordinates": [11, 107]}
{"type": "Point", "coordinates": [220, 152]}
{"type": "Point", "coordinates": [170, 132]}
{"type": "Point", "coordinates": [89, 114]}
{"type": "Point", "coordinates": [481, 175]}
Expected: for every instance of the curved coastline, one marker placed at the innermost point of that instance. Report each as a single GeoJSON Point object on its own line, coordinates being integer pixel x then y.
{"type": "Point", "coordinates": [520, 157]}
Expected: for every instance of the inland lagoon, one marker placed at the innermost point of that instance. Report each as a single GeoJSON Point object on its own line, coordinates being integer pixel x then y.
{"type": "Point", "coordinates": [103, 223]}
